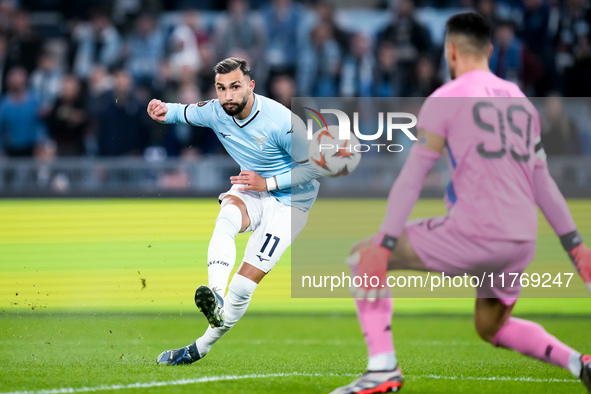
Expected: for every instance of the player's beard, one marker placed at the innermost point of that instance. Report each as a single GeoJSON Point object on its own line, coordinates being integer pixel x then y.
{"type": "Point", "coordinates": [238, 107]}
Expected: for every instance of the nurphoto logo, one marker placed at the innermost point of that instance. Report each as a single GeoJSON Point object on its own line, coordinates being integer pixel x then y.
{"type": "Point", "coordinates": [344, 130]}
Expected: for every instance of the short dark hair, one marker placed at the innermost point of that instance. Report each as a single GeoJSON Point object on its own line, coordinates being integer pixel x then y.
{"type": "Point", "coordinates": [473, 26]}
{"type": "Point", "coordinates": [230, 64]}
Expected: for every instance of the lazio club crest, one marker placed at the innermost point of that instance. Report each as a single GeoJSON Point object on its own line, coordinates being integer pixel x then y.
{"type": "Point", "coordinates": [261, 142]}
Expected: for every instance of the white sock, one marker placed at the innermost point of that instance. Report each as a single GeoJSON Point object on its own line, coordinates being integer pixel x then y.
{"type": "Point", "coordinates": [382, 362]}
{"type": "Point", "coordinates": [235, 305]}
{"type": "Point", "coordinates": [221, 254]}
{"type": "Point", "coordinates": [574, 364]}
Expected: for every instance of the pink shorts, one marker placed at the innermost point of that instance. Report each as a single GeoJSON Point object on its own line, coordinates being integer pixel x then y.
{"type": "Point", "coordinates": [443, 248]}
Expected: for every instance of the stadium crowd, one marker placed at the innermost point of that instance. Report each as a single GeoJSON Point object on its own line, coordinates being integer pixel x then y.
{"type": "Point", "coordinates": [79, 86]}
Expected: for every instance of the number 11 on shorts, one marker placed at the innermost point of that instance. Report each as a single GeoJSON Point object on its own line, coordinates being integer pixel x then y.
{"type": "Point", "coordinates": [275, 242]}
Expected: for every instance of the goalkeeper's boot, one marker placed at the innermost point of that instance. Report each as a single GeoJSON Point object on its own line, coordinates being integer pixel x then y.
{"type": "Point", "coordinates": [185, 355]}
{"type": "Point", "coordinates": [586, 371]}
{"type": "Point", "coordinates": [374, 382]}
{"type": "Point", "coordinates": [211, 304]}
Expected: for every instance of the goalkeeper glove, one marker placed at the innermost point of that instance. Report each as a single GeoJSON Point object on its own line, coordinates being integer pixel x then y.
{"type": "Point", "coordinates": [373, 263]}
{"type": "Point", "coordinates": [579, 255]}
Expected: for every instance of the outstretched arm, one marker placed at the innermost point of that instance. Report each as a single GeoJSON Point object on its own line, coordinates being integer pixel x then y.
{"type": "Point", "coordinates": [554, 207]}
{"type": "Point", "coordinates": [191, 114]}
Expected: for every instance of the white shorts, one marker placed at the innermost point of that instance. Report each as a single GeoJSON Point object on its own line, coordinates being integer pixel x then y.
{"type": "Point", "coordinates": [274, 226]}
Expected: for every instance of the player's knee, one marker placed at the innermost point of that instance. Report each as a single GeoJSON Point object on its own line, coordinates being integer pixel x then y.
{"type": "Point", "coordinates": [233, 200]}
{"type": "Point", "coordinates": [486, 331]}
{"type": "Point", "coordinates": [490, 316]}
{"type": "Point", "coordinates": [487, 327]}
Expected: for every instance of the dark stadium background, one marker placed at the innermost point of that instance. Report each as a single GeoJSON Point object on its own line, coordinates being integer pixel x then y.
{"type": "Point", "coordinates": [86, 70]}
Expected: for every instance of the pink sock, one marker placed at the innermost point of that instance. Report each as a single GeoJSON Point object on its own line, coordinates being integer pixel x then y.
{"type": "Point", "coordinates": [531, 339]}
{"type": "Point", "coordinates": [375, 318]}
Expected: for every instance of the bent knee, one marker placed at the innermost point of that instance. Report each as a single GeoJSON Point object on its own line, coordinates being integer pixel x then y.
{"type": "Point", "coordinates": [490, 316]}
{"type": "Point", "coordinates": [486, 332]}
{"type": "Point", "coordinates": [233, 200]}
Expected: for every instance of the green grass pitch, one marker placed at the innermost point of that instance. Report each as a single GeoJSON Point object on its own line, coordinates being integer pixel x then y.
{"type": "Point", "coordinates": [91, 291]}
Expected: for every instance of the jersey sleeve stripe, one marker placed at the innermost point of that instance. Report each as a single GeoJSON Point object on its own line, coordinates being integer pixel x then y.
{"type": "Point", "coordinates": [187, 119]}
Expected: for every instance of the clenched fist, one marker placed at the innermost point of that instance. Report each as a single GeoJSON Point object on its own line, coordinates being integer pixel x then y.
{"type": "Point", "coordinates": [157, 110]}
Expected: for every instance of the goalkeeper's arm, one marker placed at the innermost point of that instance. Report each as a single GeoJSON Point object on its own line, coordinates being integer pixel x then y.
{"type": "Point", "coordinates": [554, 207]}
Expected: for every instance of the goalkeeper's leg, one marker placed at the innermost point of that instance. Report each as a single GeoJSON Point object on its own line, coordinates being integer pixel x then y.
{"type": "Point", "coordinates": [494, 324]}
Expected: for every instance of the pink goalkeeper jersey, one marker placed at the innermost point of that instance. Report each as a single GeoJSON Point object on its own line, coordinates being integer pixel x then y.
{"type": "Point", "coordinates": [491, 130]}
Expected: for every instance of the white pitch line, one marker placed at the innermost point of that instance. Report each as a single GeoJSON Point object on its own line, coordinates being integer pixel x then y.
{"type": "Point", "coordinates": [181, 382]}
{"type": "Point", "coordinates": [494, 378]}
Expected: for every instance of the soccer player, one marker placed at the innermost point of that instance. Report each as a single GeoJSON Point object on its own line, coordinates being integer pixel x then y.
{"type": "Point", "coordinates": [270, 197]}
{"type": "Point", "coordinates": [499, 174]}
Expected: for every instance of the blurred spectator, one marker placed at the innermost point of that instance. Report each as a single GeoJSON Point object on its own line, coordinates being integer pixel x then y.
{"type": "Point", "coordinates": [535, 26]}
{"type": "Point", "coordinates": [24, 44]}
{"type": "Point", "coordinates": [358, 67]}
{"type": "Point", "coordinates": [325, 11]}
{"type": "Point", "coordinates": [559, 134]}
{"type": "Point", "coordinates": [68, 118]}
{"type": "Point", "coordinates": [206, 75]}
{"type": "Point", "coordinates": [184, 44]}
{"type": "Point", "coordinates": [409, 36]}
{"type": "Point", "coordinates": [282, 89]}
{"type": "Point", "coordinates": [193, 20]}
{"type": "Point", "coordinates": [319, 64]}
{"type": "Point", "coordinates": [506, 59]}
{"type": "Point", "coordinates": [21, 129]}
{"type": "Point", "coordinates": [46, 81]}
{"type": "Point", "coordinates": [99, 83]}
{"type": "Point", "coordinates": [535, 33]}
{"type": "Point", "coordinates": [292, 51]}
{"type": "Point", "coordinates": [4, 66]}
{"type": "Point", "coordinates": [283, 20]}
{"type": "Point", "coordinates": [7, 10]}
{"type": "Point", "coordinates": [573, 58]}
{"type": "Point", "coordinates": [126, 11]}
{"type": "Point", "coordinates": [96, 43]}
{"type": "Point", "coordinates": [488, 9]}
{"type": "Point", "coordinates": [511, 60]}
{"type": "Point", "coordinates": [424, 80]}
{"type": "Point", "coordinates": [239, 30]}
{"type": "Point", "coordinates": [388, 78]}
{"type": "Point", "coordinates": [122, 124]}
{"type": "Point", "coordinates": [143, 49]}
{"type": "Point", "coordinates": [207, 54]}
